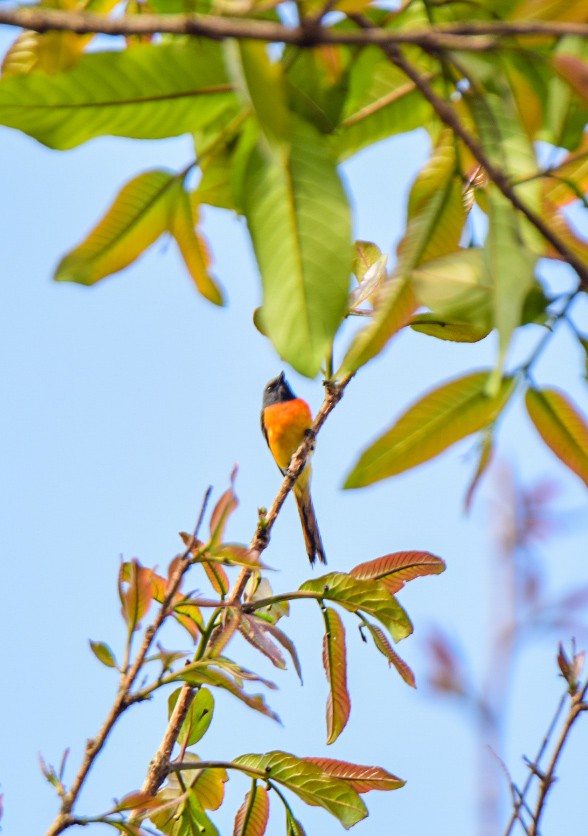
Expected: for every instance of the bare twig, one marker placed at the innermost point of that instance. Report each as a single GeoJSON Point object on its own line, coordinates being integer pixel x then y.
{"type": "Point", "coordinates": [472, 37]}
{"type": "Point", "coordinates": [64, 819]}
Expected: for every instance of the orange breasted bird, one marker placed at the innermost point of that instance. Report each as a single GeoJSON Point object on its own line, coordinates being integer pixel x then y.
{"type": "Point", "coordinates": [284, 422]}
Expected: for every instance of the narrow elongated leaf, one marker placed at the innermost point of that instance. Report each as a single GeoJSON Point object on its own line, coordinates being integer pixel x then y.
{"type": "Point", "coordinates": [252, 630]}
{"type": "Point", "coordinates": [207, 676]}
{"type": "Point", "coordinates": [299, 221]}
{"type": "Point", "coordinates": [561, 426]}
{"type": "Point", "coordinates": [185, 612]}
{"type": "Point", "coordinates": [445, 329]}
{"type": "Point", "coordinates": [223, 510]}
{"type": "Point", "coordinates": [486, 452]}
{"type": "Point", "coordinates": [369, 596]}
{"type": "Point", "coordinates": [136, 598]}
{"type": "Point", "coordinates": [443, 417]}
{"type": "Point", "coordinates": [148, 92]}
{"type": "Point", "coordinates": [361, 778]}
{"type": "Point", "coordinates": [394, 570]}
{"type": "Point", "coordinates": [192, 246]}
{"type": "Point", "coordinates": [293, 826]}
{"type": "Point", "coordinates": [138, 216]}
{"type": "Point", "coordinates": [335, 665]}
{"type": "Point", "coordinates": [310, 783]}
{"type": "Point", "coordinates": [252, 815]}
{"type": "Point", "coordinates": [569, 180]}
{"type": "Point", "coordinates": [286, 642]}
{"type": "Point", "coordinates": [386, 649]}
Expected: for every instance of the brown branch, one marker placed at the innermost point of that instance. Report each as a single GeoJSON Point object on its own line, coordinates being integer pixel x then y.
{"type": "Point", "coordinates": [160, 765]}
{"type": "Point", "coordinates": [64, 819]}
{"type": "Point", "coordinates": [472, 37]}
{"type": "Point", "coordinates": [448, 115]}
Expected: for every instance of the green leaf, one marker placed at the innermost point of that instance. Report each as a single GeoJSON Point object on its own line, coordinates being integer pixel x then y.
{"type": "Point", "coordinates": [444, 329]}
{"type": "Point", "coordinates": [299, 221]}
{"type": "Point", "coordinates": [441, 418]}
{"type": "Point", "coordinates": [103, 653]}
{"type": "Point", "coordinates": [561, 426]}
{"type": "Point", "coordinates": [370, 596]}
{"type": "Point", "coordinates": [148, 92]}
{"type": "Point", "coordinates": [394, 570]}
{"type": "Point", "coordinates": [192, 245]}
{"type": "Point", "coordinates": [293, 826]}
{"type": "Point", "coordinates": [361, 778]}
{"type": "Point", "coordinates": [395, 306]}
{"type": "Point", "coordinates": [381, 102]}
{"type": "Point", "coordinates": [198, 718]}
{"type": "Point", "coordinates": [138, 216]}
{"type": "Point", "coordinates": [335, 665]}
{"type": "Point", "coordinates": [252, 815]}
{"type": "Point", "coordinates": [310, 783]}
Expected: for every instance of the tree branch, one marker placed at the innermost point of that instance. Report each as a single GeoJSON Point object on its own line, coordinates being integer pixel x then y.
{"type": "Point", "coordinates": [448, 115]}
{"type": "Point", "coordinates": [471, 37]}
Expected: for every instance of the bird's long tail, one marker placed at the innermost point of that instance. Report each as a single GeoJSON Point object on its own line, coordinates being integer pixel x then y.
{"type": "Point", "coordinates": [310, 529]}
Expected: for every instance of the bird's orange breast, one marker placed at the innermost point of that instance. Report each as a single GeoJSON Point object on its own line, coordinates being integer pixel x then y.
{"type": "Point", "coordinates": [285, 425]}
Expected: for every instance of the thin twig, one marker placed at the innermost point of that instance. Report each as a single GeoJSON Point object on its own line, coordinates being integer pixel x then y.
{"type": "Point", "coordinates": [64, 819]}
{"type": "Point", "coordinates": [472, 37]}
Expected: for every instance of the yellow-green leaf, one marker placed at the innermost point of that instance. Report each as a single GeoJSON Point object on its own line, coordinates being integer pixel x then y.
{"type": "Point", "coordinates": [138, 216]}
{"type": "Point", "coordinates": [335, 665]}
{"type": "Point", "coordinates": [193, 246]}
{"type": "Point", "coordinates": [441, 418]}
{"type": "Point", "coordinates": [444, 329]}
{"type": "Point", "coordinates": [561, 426]}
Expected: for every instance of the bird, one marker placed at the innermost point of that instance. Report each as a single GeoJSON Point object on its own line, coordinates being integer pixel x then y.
{"type": "Point", "coordinates": [285, 419]}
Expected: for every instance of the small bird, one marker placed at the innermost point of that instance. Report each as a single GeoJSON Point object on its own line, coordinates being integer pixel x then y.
{"type": "Point", "coordinates": [284, 422]}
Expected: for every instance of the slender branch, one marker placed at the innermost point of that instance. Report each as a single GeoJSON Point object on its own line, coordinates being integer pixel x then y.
{"type": "Point", "coordinates": [448, 115]}
{"type": "Point", "coordinates": [64, 819]}
{"type": "Point", "coordinates": [548, 777]}
{"type": "Point", "coordinates": [472, 37]}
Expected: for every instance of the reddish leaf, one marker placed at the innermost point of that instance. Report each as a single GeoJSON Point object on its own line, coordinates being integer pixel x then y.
{"type": "Point", "coordinates": [136, 598]}
{"type": "Point", "coordinates": [222, 511]}
{"type": "Point", "coordinates": [393, 658]}
{"type": "Point", "coordinates": [394, 570]}
{"type": "Point", "coordinates": [575, 72]}
{"type": "Point", "coordinates": [252, 815]}
{"type": "Point", "coordinates": [335, 664]}
{"type": "Point", "coordinates": [286, 642]}
{"type": "Point", "coordinates": [251, 630]}
{"type": "Point", "coordinates": [561, 426]}
{"type": "Point", "coordinates": [360, 778]}
{"type": "Point", "coordinates": [185, 612]}
{"type": "Point", "coordinates": [217, 576]}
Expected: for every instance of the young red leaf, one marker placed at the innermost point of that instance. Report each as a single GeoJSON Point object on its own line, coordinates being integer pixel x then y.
{"type": "Point", "coordinates": [394, 570]}
{"type": "Point", "coordinates": [393, 658]}
{"type": "Point", "coordinates": [252, 815]}
{"type": "Point", "coordinates": [136, 599]}
{"type": "Point", "coordinates": [217, 576]}
{"type": "Point", "coordinates": [286, 642]}
{"type": "Point", "coordinates": [439, 419]}
{"type": "Point", "coordinates": [360, 778]}
{"type": "Point", "coordinates": [222, 511]}
{"type": "Point", "coordinates": [335, 665]}
{"type": "Point", "coordinates": [251, 629]}
{"type": "Point", "coordinates": [561, 427]}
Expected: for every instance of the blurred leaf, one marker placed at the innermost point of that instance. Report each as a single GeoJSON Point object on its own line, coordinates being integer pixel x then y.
{"type": "Point", "coordinates": [369, 284]}
{"type": "Point", "coordinates": [561, 427]}
{"type": "Point", "coordinates": [259, 588]}
{"type": "Point", "coordinates": [367, 255]}
{"type": "Point", "coordinates": [197, 719]}
{"type": "Point", "coordinates": [299, 221]}
{"type": "Point", "coordinates": [222, 511]}
{"type": "Point", "coordinates": [136, 598]}
{"type": "Point", "coordinates": [370, 596]}
{"type": "Point", "coordinates": [443, 329]}
{"type": "Point", "coordinates": [360, 778]}
{"type": "Point", "coordinates": [184, 819]}
{"type": "Point", "coordinates": [395, 306]}
{"type": "Point", "coordinates": [148, 92]}
{"type": "Point", "coordinates": [193, 246]}
{"type": "Point", "coordinates": [138, 216]}
{"type": "Point", "coordinates": [234, 554]}
{"type": "Point", "coordinates": [384, 646]}
{"type": "Point", "coordinates": [486, 452]}
{"type": "Point", "coordinates": [261, 85]}
{"type": "Point", "coordinates": [286, 642]}
{"type": "Point", "coordinates": [252, 815]}
{"type": "Point", "coordinates": [103, 653]}
{"type": "Point", "coordinates": [335, 665]}
{"type": "Point", "coordinates": [575, 71]}
{"type": "Point", "coordinates": [293, 826]}
{"type": "Point", "coordinates": [50, 52]}
{"type": "Point", "coordinates": [569, 180]}
{"type": "Point", "coordinates": [137, 800]}
{"type": "Point", "coordinates": [441, 418]}
{"type": "Point", "coordinates": [564, 10]}
{"type": "Point", "coordinates": [253, 631]}
{"type": "Point", "coordinates": [310, 783]}
{"type": "Point", "coordinates": [394, 570]}
{"type": "Point", "coordinates": [217, 576]}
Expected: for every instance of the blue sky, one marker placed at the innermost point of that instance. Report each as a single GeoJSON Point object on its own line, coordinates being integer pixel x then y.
{"type": "Point", "coordinates": [122, 403]}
